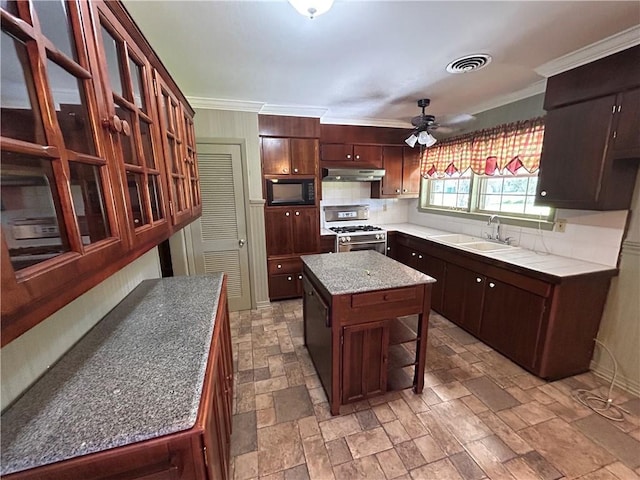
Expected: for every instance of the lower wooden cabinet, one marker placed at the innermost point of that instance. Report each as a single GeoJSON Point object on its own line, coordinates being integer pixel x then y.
{"type": "Point", "coordinates": [364, 354]}
{"type": "Point", "coordinates": [285, 277]}
{"type": "Point", "coordinates": [544, 323]}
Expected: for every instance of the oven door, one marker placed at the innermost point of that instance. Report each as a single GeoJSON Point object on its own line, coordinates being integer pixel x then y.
{"type": "Point", "coordinates": [378, 246]}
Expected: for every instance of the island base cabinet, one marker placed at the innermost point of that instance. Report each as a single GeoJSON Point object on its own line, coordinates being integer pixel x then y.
{"type": "Point", "coordinates": [365, 353]}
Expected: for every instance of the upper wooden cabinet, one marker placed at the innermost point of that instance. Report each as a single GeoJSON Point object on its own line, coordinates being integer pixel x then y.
{"type": "Point", "coordinates": [592, 135]}
{"type": "Point", "coordinates": [289, 156]}
{"type": "Point", "coordinates": [348, 155]}
{"type": "Point", "coordinates": [402, 174]}
{"type": "Point", "coordinates": [84, 184]}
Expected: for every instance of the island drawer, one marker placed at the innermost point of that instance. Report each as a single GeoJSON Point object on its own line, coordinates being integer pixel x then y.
{"type": "Point", "coordinates": [284, 265]}
{"type": "Point", "coordinates": [383, 297]}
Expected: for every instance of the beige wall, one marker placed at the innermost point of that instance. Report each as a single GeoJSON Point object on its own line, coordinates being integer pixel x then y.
{"type": "Point", "coordinates": [620, 327]}
{"type": "Point", "coordinates": [29, 356]}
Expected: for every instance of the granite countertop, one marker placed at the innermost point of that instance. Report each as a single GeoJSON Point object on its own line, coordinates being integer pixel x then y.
{"type": "Point", "coordinates": [361, 271]}
{"type": "Point", "coordinates": [554, 265]}
{"type": "Point", "coordinates": [138, 374]}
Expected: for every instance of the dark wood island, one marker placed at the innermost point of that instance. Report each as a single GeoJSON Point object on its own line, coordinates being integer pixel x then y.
{"type": "Point", "coordinates": [365, 324]}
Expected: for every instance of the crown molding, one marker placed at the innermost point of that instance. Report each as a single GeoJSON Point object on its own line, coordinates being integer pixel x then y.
{"type": "Point", "coordinates": [534, 89]}
{"type": "Point", "coordinates": [366, 122]}
{"type": "Point", "coordinates": [293, 110]}
{"type": "Point", "coordinates": [221, 104]}
{"type": "Point", "coordinates": [590, 53]}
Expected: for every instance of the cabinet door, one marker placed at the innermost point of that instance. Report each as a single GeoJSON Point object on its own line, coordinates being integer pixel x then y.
{"type": "Point", "coordinates": [191, 160]}
{"type": "Point", "coordinates": [278, 232]}
{"type": "Point", "coordinates": [434, 267]}
{"type": "Point", "coordinates": [336, 152]}
{"type": "Point", "coordinates": [411, 171]}
{"type": "Point", "coordinates": [364, 367]}
{"type": "Point", "coordinates": [406, 255]}
{"type": "Point", "coordinates": [304, 156]}
{"type": "Point", "coordinates": [287, 285]}
{"type": "Point", "coordinates": [392, 164]}
{"type": "Point", "coordinates": [511, 321]}
{"type": "Point", "coordinates": [573, 154]}
{"type": "Point", "coordinates": [275, 156]}
{"type": "Point", "coordinates": [367, 156]}
{"type": "Point", "coordinates": [463, 297]}
{"type": "Point", "coordinates": [127, 77]}
{"type": "Point", "coordinates": [626, 137]}
{"type": "Point", "coordinates": [305, 230]}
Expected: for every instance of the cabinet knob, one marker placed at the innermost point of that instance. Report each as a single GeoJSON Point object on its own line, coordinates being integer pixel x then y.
{"type": "Point", "coordinates": [286, 214]}
{"type": "Point", "coordinates": [413, 254]}
{"type": "Point", "coordinates": [295, 170]}
{"type": "Point", "coordinates": [491, 284]}
{"type": "Point", "coordinates": [299, 277]}
{"type": "Point", "coordinates": [543, 193]}
{"type": "Point", "coordinates": [289, 278]}
{"type": "Point", "coordinates": [297, 214]}
{"type": "Point", "coordinates": [279, 266]}
{"type": "Point", "coordinates": [404, 190]}
{"type": "Point", "coordinates": [357, 157]}
{"type": "Point", "coordinates": [397, 190]}
{"type": "Point", "coordinates": [388, 249]}
{"type": "Point", "coordinates": [126, 129]}
{"type": "Point", "coordinates": [348, 156]}
{"type": "Point", "coordinates": [114, 124]}
{"type": "Point", "coordinates": [419, 256]}
{"type": "Point", "coordinates": [478, 280]}
{"type": "Point", "coordinates": [285, 170]}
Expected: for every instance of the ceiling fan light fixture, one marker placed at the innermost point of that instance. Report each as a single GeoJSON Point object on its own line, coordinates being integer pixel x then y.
{"type": "Point", "coordinates": [426, 139]}
{"type": "Point", "coordinates": [311, 8]}
{"type": "Point", "coordinates": [411, 141]}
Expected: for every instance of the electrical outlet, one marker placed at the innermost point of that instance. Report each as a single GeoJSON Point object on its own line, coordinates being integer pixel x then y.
{"type": "Point", "coordinates": [561, 225]}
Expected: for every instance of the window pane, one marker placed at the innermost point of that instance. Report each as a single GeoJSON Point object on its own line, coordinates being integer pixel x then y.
{"type": "Point", "coordinates": [493, 185]}
{"type": "Point", "coordinates": [113, 63]}
{"type": "Point", "coordinates": [71, 109]}
{"type": "Point", "coordinates": [129, 152]}
{"type": "Point", "coordinates": [532, 209]}
{"type": "Point", "coordinates": [135, 184]}
{"type": "Point", "coordinates": [533, 183]}
{"type": "Point", "coordinates": [463, 201]}
{"type": "Point", "coordinates": [515, 185]}
{"type": "Point", "coordinates": [10, 6]}
{"type": "Point", "coordinates": [449, 200]}
{"type": "Point", "coordinates": [513, 203]}
{"type": "Point", "coordinates": [194, 192]}
{"type": "Point", "coordinates": [437, 185]}
{"type": "Point", "coordinates": [55, 24]}
{"type": "Point", "coordinates": [20, 114]}
{"type": "Point", "coordinates": [31, 212]}
{"type": "Point", "coordinates": [88, 201]}
{"type": "Point", "coordinates": [154, 196]}
{"type": "Point", "coordinates": [136, 79]}
{"type": "Point", "coordinates": [147, 146]}
{"type": "Point", "coordinates": [164, 108]}
{"type": "Point", "coordinates": [175, 168]}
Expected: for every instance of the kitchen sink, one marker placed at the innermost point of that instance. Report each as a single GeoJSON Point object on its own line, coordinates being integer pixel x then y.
{"type": "Point", "coordinates": [455, 238]}
{"type": "Point", "coordinates": [487, 246]}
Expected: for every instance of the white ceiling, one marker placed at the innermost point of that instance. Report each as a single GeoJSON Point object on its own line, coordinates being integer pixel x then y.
{"type": "Point", "coordinates": [368, 62]}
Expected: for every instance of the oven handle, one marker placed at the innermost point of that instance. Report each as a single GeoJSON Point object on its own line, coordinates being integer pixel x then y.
{"type": "Point", "coordinates": [365, 242]}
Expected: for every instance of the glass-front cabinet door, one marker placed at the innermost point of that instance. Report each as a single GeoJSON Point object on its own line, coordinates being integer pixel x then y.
{"type": "Point", "coordinates": [130, 120]}
{"type": "Point", "coordinates": [57, 207]}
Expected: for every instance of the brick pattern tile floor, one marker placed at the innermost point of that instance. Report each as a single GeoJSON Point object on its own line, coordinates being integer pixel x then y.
{"type": "Point", "coordinates": [480, 415]}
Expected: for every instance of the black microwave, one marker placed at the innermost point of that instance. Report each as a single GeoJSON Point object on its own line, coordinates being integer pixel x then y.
{"type": "Point", "coordinates": [290, 191]}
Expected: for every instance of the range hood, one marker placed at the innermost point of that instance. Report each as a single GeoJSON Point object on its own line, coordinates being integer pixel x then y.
{"type": "Point", "coordinates": [352, 174]}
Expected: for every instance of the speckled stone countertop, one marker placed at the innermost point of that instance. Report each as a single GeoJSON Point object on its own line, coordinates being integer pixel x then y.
{"type": "Point", "coordinates": [138, 374]}
{"type": "Point", "coordinates": [362, 271]}
{"type": "Point", "coordinates": [554, 265]}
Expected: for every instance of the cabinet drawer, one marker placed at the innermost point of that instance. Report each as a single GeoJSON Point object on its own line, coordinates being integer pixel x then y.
{"type": "Point", "coordinates": [287, 285]}
{"type": "Point", "coordinates": [284, 265]}
{"type": "Point", "coordinates": [383, 297]}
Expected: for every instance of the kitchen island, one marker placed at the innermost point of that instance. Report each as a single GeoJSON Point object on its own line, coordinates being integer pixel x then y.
{"type": "Point", "coordinates": [145, 394]}
{"type": "Point", "coordinates": [365, 324]}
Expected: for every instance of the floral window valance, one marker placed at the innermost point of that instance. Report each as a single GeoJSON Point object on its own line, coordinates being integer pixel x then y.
{"type": "Point", "coordinates": [509, 146]}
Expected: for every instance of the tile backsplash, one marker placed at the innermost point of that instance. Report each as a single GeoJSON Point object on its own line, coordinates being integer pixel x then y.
{"type": "Point", "coordinates": [589, 235]}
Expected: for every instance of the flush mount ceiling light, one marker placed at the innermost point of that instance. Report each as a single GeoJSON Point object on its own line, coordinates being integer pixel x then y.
{"type": "Point", "coordinates": [311, 8]}
{"type": "Point", "coordinates": [469, 63]}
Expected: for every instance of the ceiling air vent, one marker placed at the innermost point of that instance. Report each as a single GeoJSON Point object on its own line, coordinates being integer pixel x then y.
{"type": "Point", "coordinates": [469, 63]}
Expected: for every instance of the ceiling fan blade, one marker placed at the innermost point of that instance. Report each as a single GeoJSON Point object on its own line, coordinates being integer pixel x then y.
{"type": "Point", "coordinates": [456, 119]}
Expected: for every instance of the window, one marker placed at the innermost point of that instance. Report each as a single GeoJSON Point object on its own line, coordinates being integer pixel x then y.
{"type": "Point", "coordinates": [486, 172]}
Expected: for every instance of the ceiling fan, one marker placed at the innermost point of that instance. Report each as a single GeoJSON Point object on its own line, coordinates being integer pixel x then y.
{"type": "Point", "coordinates": [423, 124]}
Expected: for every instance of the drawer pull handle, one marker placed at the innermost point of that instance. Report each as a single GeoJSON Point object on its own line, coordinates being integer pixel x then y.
{"type": "Point", "coordinates": [279, 266]}
{"type": "Point", "coordinates": [385, 298]}
{"type": "Point", "coordinates": [297, 213]}
{"type": "Point", "coordinates": [287, 214]}
{"type": "Point", "coordinates": [491, 284]}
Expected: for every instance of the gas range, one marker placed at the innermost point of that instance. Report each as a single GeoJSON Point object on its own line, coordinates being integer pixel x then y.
{"type": "Point", "coordinates": [350, 235]}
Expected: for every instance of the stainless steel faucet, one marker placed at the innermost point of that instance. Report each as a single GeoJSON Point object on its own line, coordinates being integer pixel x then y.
{"type": "Point", "coordinates": [498, 236]}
